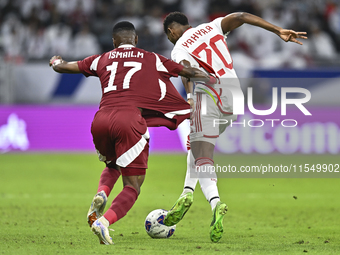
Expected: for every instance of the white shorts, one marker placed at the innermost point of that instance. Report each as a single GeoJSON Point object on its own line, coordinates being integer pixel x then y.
{"type": "Point", "coordinates": [209, 118]}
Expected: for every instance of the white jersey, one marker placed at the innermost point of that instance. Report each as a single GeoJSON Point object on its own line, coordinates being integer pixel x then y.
{"type": "Point", "coordinates": [205, 47]}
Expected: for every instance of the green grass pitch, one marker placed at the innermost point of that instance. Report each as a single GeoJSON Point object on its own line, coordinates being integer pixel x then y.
{"type": "Point", "coordinates": [44, 200]}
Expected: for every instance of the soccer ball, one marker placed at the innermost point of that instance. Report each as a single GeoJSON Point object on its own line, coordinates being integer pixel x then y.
{"type": "Point", "coordinates": [155, 227]}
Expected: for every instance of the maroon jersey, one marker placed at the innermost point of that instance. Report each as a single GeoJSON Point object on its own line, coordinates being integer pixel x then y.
{"type": "Point", "coordinates": [130, 76]}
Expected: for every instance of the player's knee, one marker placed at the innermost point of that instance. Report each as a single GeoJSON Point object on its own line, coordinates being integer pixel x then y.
{"type": "Point", "coordinates": [135, 187]}
{"type": "Point", "coordinates": [132, 183]}
{"type": "Point", "coordinates": [138, 190]}
{"type": "Point", "coordinates": [135, 181]}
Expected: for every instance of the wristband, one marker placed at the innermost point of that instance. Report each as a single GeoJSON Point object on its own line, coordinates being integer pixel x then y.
{"type": "Point", "coordinates": [56, 61]}
{"type": "Point", "coordinates": [190, 95]}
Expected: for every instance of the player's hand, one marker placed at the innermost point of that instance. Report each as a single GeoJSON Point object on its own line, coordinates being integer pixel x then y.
{"type": "Point", "coordinates": [54, 58]}
{"type": "Point", "coordinates": [292, 36]}
{"type": "Point", "coordinates": [191, 102]}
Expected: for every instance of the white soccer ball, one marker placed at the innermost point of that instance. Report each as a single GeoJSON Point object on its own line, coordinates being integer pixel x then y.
{"type": "Point", "coordinates": [155, 227]}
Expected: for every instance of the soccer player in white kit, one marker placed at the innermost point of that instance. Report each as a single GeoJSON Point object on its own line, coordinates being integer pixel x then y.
{"type": "Point", "coordinates": [205, 47]}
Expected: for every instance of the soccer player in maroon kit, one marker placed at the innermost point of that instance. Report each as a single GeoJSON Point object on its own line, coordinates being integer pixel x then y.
{"type": "Point", "coordinates": [136, 93]}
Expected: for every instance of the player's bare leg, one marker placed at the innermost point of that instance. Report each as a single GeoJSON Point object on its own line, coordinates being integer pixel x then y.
{"type": "Point", "coordinates": [204, 152]}
{"type": "Point", "coordinates": [134, 181]}
{"type": "Point", "coordinates": [202, 149]}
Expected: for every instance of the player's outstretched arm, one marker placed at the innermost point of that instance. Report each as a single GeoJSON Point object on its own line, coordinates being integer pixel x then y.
{"type": "Point", "coordinates": [61, 66]}
{"type": "Point", "coordinates": [195, 74]}
{"type": "Point", "coordinates": [190, 74]}
{"type": "Point", "coordinates": [234, 20]}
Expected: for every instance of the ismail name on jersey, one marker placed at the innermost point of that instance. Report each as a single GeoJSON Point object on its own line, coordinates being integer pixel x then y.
{"type": "Point", "coordinates": [125, 54]}
{"type": "Point", "coordinates": [197, 35]}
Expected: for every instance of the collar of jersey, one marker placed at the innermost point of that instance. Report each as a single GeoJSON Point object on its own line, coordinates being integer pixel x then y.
{"type": "Point", "coordinates": [187, 30]}
{"type": "Point", "coordinates": [181, 38]}
{"type": "Point", "coordinates": [126, 46]}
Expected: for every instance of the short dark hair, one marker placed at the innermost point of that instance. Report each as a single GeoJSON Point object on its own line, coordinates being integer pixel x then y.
{"type": "Point", "coordinates": [123, 26]}
{"type": "Point", "coordinates": [177, 17]}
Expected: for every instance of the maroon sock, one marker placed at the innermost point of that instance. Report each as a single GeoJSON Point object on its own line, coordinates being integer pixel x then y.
{"type": "Point", "coordinates": [107, 180]}
{"type": "Point", "coordinates": [121, 204]}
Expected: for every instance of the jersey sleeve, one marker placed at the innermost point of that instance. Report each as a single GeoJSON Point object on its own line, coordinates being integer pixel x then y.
{"type": "Point", "coordinates": [179, 54]}
{"type": "Point", "coordinates": [217, 23]}
{"type": "Point", "coordinates": [88, 66]}
{"type": "Point", "coordinates": [166, 65]}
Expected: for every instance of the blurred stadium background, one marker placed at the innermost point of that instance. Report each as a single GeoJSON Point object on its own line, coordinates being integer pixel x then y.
{"type": "Point", "coordinates": [41, 110]}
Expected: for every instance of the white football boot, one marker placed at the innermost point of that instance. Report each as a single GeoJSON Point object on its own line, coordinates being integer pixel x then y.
{"type": "Point", "coordinates": [97, 207]}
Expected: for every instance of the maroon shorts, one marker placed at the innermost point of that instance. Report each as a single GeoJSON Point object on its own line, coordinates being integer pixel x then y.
{"type": "Point", "coordinates": [120, 135]}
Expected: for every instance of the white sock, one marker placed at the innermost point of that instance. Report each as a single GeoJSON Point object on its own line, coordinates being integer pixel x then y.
{"type": "Point", "coordinates": [214, 202]}
{"type": "Point", "coordinates": [104, 221]}
{"type": "Point", "coordinates": [191, 177]}
{"type": "Point", "coordinates": [210, 190]}
{"type": "Point", "coordinates": [208, 181]}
